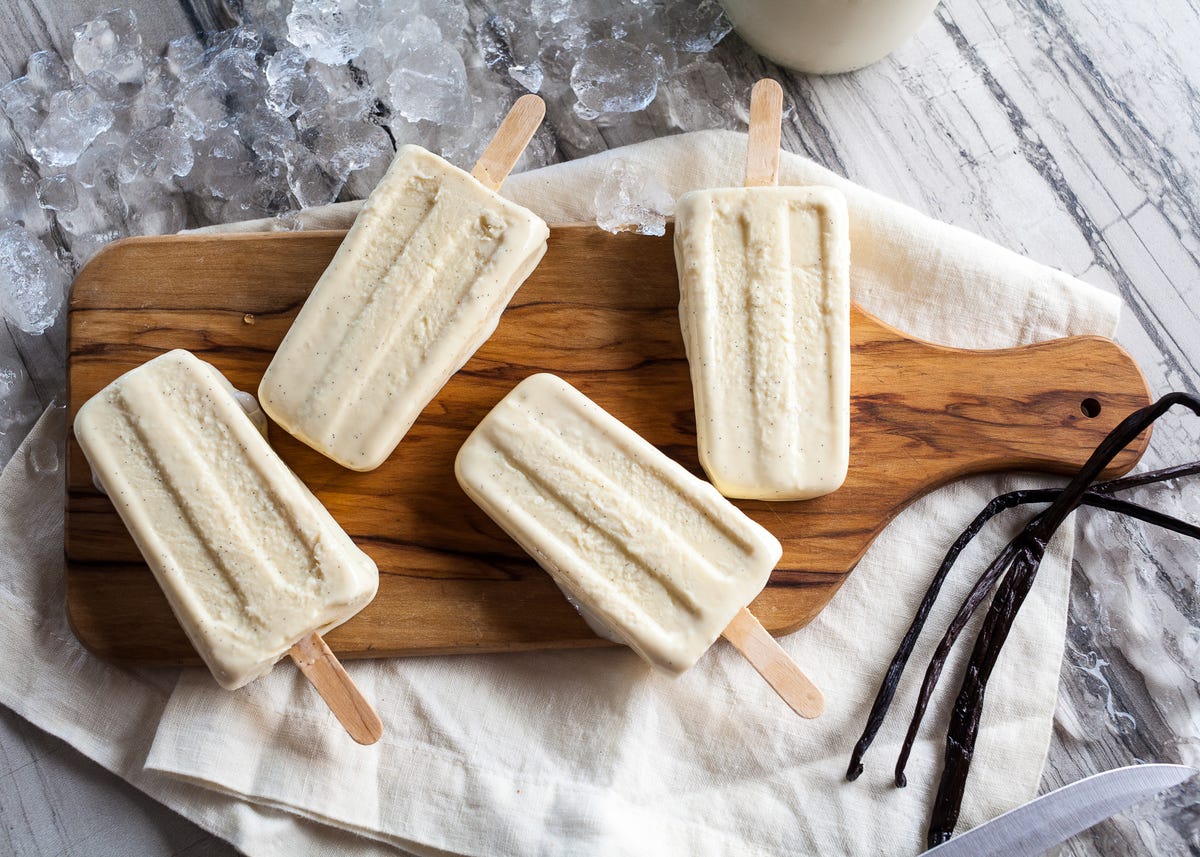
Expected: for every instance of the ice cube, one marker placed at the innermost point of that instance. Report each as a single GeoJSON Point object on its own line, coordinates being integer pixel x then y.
{"type": "Point", "coordinates": [271, 194]}
{"type": "Point", "coordinates": [629, 200]}
{"type": "Point", "coordinates": [98, 165]}
{"type": "Point", "coordinates": [700, 96]}
{"type": "Point", "coordinates": [223, 175]}
{"type": "Point", "coordinates": [429, 81]}
{"type": "Point", "coordinates": [243, 38]}
{"type": "Point", "coordinates": [529, 76]}
{"type": "Point", "coordinates": [98, 219]}
{"type": "Point", "coordinates": [184, 55]}
{"type": "Point", "coordinates": [46, 74]}
{"type": "Point", "coordinates": [548, 14]}
{"type": "Point", "coordinates": [429, 77]}
{"type": "Point", "coordinates": [200, 105]}
{"type": "Point", "coordinates": [451, 16]}
{"type": "Point", "coordinates": [222, 163]}
{"type": "Point", "coordinates": [160, 153]}
{"type": "Point", "coordinates": [21, 105]}
{"type": "Point", "coordinates": [111, 43]}
{"type": "Point", "coordinates": [77, 117]}
{"type": "Point", "coordinates": [109, 90]}
{"type": "Point", "coordinates": [99, 216]}
{"type": "Point", "coordinates": [289, 221]}
{"type": "Point", "coordinates": [309, 181]}
{"type": "Point", "coordinates": [613, 76]}
{"type": "Point", "coordinates": [34, 281]}
{"type": "Point", "coordinates": [18, 200]}
{"type": "Point", "coordinates": [243, 83]}
{"type": "Point", "coordinates": [58, 193]}
{"type": "Point", "coordinates": [347, 147]}
{"type": "Point", "coordinates": [265, 131]}
{"type": "Point", "coordinates": [697, 27]}
{"type": "Point", "coordinates": [492, 38]}
{"type": "Point", "coordinates": [322, 31]}
{"type": "Point", "coordinates": [506, 49]}
{"type": "Point", "coordinates": [150, 107]}
{"type": "Point", "coordinates": [290, 86]}
{"type": "Point", "coordinates": [270, 16]}
{"type": "Point", "coordinates": [285, 71]}
{"type": "Point", "coordinates": [26, 100]}
{"type": "Point", "coordinates": [150, 209]}
{"type": "Point", "coordinates": [348, 98]}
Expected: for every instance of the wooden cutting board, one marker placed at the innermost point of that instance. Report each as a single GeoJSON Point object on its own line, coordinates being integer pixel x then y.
{"type": "Point", "coordinates": [601, 312]}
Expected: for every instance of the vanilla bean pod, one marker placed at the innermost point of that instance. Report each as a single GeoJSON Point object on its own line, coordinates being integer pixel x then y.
{"type": "Point", "coordinates": [1030, 547]}
{"type": "Point", "coordinates": [1011, 555]}
{"type": "Point", "coordinates": [1095, 496]}
{"type": "Point", "coordinates": [1141, 513]}
{"type": "Point", "coordinates": [967, 709]}
{"type": "Point", "coordinates": [933, 672]}
{"type": "Point", "coordinates": [1136, 480]}
{"type": "Point", "coordinates": [891, 678]}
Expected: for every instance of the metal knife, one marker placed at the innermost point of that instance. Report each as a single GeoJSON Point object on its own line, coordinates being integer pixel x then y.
{"type": "Point", "coordinates": [1041, 824]}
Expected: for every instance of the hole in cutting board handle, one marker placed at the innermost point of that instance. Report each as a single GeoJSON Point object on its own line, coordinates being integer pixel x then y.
{"type": "Point", "coordinates": [1090, 408]}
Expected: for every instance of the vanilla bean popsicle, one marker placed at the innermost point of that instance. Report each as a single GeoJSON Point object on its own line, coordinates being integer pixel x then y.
{"type": "Point", "coordinates": [640, 545]}
{"type": "Point", "coordinates": [250, 561]}
{"type": "Point", "coordinates": [764, 306]}
{"type": "Point", "coordinates": [416, 287]}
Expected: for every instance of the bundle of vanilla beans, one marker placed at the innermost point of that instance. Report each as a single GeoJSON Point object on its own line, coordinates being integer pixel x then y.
{"type": "Point", "coordinates": [1014, 569]}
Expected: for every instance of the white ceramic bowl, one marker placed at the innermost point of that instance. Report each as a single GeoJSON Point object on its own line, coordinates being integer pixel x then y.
{"type": "Point", "coordinates": [826, 36]}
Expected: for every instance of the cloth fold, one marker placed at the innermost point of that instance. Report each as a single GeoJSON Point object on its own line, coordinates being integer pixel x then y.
{"type": "Point", "coordinates": [590, 752]}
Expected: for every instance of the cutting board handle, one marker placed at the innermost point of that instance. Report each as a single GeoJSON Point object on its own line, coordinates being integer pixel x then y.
{"type": "Point", "coordinates": [1034, 407]}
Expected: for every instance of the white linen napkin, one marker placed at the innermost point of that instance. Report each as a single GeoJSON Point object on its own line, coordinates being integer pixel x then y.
{"type": "Point", "coordinates": [591, 752]}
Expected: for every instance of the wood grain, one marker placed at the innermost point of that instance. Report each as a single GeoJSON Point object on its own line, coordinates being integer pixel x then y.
{"type": "Point", "coordinates": [601, 312]}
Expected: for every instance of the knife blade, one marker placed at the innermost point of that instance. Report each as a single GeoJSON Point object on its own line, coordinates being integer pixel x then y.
{"type": "Point", "coordinates": [1032, 828]}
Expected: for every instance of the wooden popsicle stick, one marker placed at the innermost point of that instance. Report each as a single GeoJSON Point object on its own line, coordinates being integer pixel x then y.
{"type": "Point", "coordinates": [321, 667]}
{"type": "Point", "coordinates": [511, 138]}
{"type": "Point", "coordinates": [765, 654]}
{"type": "Point", "coordinates": [766, 117]}
{"type": "Point", "coordinates": [745, 632]}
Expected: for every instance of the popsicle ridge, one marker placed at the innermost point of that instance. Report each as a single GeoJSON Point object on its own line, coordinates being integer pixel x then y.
{"type": "Point", "coordinates": [644, 541]}
{"type": "Point", "coordinates": [173, 454]}
{"type": "Point", "coordinates": [402, 307]}
{"type": "Point", "coordinates": [409, 205]}
{"type": "Point", "coordinates": [770, 332]}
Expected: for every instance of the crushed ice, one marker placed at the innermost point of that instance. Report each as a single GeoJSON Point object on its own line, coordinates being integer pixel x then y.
{"type": "Point", "coordinates": [629, 199]}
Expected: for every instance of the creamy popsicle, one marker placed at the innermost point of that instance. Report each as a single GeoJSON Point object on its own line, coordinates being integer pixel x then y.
{"type": "Point", "coordinates": [639, 544]}
{"type": "Point", "coordinates": [416, 287]}
{"type": "Point", "coordinates": [250, 561]}
{"type": "Point", "coordinates": [764, 304]}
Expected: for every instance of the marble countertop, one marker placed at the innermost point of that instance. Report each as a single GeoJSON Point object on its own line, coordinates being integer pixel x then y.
{"type": "Point", "coordinates": [1067, 130]}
